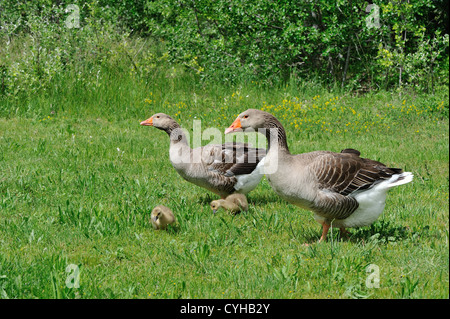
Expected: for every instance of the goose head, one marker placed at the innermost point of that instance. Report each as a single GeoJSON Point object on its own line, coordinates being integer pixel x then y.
{"type": "Point", "coordinates": [215, 205]}
{"type": "Point", "coordinates": [261, 122]}
{"type": "Point", "coordinates": [159, 120]}
{"type": "Point", "coordinates": [157, 213]}
{"type": "Point", "coordinates": [250, 119]}
{"type": "Point", "coordinates": [162, 216]}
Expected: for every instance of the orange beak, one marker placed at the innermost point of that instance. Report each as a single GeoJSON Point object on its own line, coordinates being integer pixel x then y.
{"type": "Point", "coordinates": [235, 127]}
{"type": "Point", "coordinates": [148, 122]}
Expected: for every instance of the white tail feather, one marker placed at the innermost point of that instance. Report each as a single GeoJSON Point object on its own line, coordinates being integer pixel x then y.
{"type": "Point", "coordinates": [400, 179]}
{"type": "Point", "coordinates": [372, 201]}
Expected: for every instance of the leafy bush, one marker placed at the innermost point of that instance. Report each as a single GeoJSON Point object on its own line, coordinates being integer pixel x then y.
{"type": "Point", "coordinates": [339, 42]}
{"type": "Point", "coordinates": [343, 43]}
{"type": "Point", "coordinates": [46, 45]}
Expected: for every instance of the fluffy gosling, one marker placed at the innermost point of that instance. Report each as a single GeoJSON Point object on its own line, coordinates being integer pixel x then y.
{"type": "Point", "coordinates": [233, 203]}
{"type": "Point", "coordinates": [161, 217]}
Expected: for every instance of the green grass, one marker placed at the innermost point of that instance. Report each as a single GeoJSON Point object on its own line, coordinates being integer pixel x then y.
{"type": "Point", "coordinates": [77, 187]}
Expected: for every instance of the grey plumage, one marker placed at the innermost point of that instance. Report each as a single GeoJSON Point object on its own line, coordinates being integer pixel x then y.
{"type": "Point", "coordinates": [216, 167]}
{"type": "Point", "coordinates": [335, 186]}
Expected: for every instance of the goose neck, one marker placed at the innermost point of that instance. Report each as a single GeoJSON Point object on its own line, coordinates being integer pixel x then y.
{"type": "Point", "coordinates": [276, 135]}
{"type": "Point", "coordinates": [176, 134]}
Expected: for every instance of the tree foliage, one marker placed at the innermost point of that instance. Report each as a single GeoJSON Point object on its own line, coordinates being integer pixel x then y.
{"type": "Point", "coordinates": [354, 44]}
{"type": "Point", "coordinates": [338, 42]}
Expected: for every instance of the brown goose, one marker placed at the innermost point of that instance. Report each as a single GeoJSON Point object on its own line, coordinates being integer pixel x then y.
{"type": "Point", "coordinates": [222, 169]}
{"type": "Point", "coordinates": [342, 189]}
{"type": "Point", "coordinates": [234, 203]}
{"type": "Point", "coordinates": [161, 217]}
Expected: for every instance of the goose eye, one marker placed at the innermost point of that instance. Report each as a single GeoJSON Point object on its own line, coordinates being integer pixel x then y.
{"type": "Point", "coordinates": [245, 116]}
{"type": "Point", "coordinates": [157, 117]}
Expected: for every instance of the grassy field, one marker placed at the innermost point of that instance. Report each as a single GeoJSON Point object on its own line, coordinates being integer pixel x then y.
{"type": "Point", "coordinates": [79, 177]}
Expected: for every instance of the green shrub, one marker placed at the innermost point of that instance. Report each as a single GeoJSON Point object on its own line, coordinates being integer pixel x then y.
{"type": "Point", "coordinates": [339, 44]}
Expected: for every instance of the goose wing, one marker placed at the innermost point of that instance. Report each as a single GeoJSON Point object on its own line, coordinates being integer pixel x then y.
{"type": "Point", "coordinates": [339, 175]}
{"type": "Point", "coordinates": [347, 172]}
{"type": "Point", "coordinates": [231, 159]}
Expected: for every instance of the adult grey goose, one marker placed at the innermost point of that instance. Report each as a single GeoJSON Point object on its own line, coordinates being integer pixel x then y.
{"type": "Point", "coordinates": [341, 189]}
{"type": "Point", "coordinates": [223, 169]}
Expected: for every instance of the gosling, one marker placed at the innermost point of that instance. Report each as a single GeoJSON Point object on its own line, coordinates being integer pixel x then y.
{"type": "Point", "coordinates": [233, 203]}
{"type": "Point", "coordinates": [161, 217]}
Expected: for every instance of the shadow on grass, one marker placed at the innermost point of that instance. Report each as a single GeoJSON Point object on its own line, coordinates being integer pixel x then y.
{"type": "Point", "coordinates": [383, 230]}
{"type": "Point", "coordinates": [262, 199]}
{"type": "Point", "coordinates": [305, 235]}
{"type": "Point", "coordinates": [207, 199]}
{"type": "Point", "coordinates": [255, 199]}
{"type": "Point", "coordinates": [386, 232]}
{"type": "Point", "coordinates": [173, 229]}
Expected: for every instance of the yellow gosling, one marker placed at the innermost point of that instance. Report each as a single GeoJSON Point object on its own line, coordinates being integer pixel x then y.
{"type": "Point", "coordinates": [233, 203]}
{"type": "Point", "coordinates": [161, 217]}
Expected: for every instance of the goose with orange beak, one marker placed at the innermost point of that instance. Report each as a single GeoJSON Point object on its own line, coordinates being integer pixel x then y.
{"type": "Point", "coordinates": [341, 189]}
{"type": "Point", "coordinates": [223, 169]}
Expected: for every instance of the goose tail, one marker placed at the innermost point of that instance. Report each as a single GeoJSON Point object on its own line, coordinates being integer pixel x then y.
{"type": "Point", "coordinates": [400, 179]}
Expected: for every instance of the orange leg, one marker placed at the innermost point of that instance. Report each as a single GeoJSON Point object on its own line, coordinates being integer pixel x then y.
{"type": "Point", "coordinates": [325, 229]}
